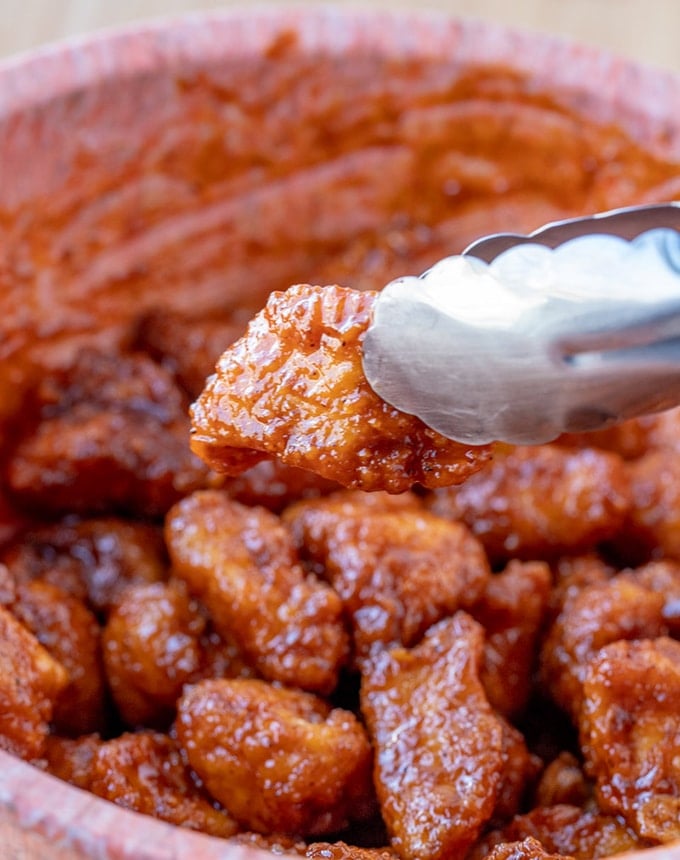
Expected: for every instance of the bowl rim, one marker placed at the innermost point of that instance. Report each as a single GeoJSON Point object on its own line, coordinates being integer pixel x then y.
{"type": "Point", "coordinates": [34, 78]}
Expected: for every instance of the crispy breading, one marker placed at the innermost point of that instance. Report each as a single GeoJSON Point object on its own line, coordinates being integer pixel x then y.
{"type": "Point", "coordinates": [30, 683]}
{"type": "Point", "coordinates": [511, 610]}
{"type": "Point", "coordinates": [94, 560]}
{"type": "Point", "coordinates": [151, 646]}
{"type": "Point", "coordinates": [110, 436]}
{"type": "Point", "coordinates": [66, 628]}
{"type": "Point", "coordinates": [397, 568]}
{"type": "Point", "coordinates": [293, 387]}
{"type": "Point", "coordinates": [526, 849]}
{"type": "Point", "coordinates": [242, 564]}
{"type": "Point", "coordinates": [597, 616]}
{"type": "Point", "coordinates": [564, 830]}
{"type": "Point", "coordinates": [438, 744]}
{"type": "Point", "coordinates": [539, 502]}
{"type": "Point", "coordinates": [630, 733]}
{"type": "Point", "coordinates": [146, 772]}
{"type": "Point", "coordinates": [280, 760]}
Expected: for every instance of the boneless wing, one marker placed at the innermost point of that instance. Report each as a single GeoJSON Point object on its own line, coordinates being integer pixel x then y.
{"type": "Point", "coordinates": [398, 568]}
{"type": "Point", "coordinates": [30, 682]}
{"type": "Point", "coordinates": [241, 563]}
{"type": "Point", "coordinates": [280, 760]}
{"type": "Point", "coordinates": [293, 387]}
{"type": "Point", "coordinates": [630, 733]}
{"type": "Point", "coordinates": [438, 744]}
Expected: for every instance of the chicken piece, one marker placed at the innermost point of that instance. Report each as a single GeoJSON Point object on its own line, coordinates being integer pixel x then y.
{"type": "Point", "coordinates": [151, 648]}
{"type": "Point", "coordinates": [72, 759]}
{"type": "Point", "coordinates": [280, 760]}
{"type": "Point", "coordinates": [67, 629]}
{"type": "Point", "coordinates": [94, 560]}
{"type": "Point", "coordinates": [275, 486]}
{"type": "Point", "coordinates": [597, 616]}
{"type": "Point", "coordinates": [342, 851]}
{"type": "Point", "coordinates": [438, 744]}
{"type": "Point", "coordinates": [31, 680]}
{"type": "Point", "coordinates": [112, 436]}
{"type": "Point", "coordinates": [278, 844]}
{"type": "Point", "coordinates": [564, 830]}
{"type": "Point", "coordinates": [512, 610]}
{"type": "Point", "coordinates": [274, 843]}
{"type": "Point", "coordinates": [188, 348]}
{"type": "Point", "coordinates": [526, 849]}
{"type": "Point", "coordinates": [630, 734]}
{"type": "Point", "coordinates": [398, 569]}
{"type": "Point", "coordinates": [293, 387]}
{"type": "Point", "coordinates": [241, 564]}
{"type": "Point", "coordinates": [562, 782]}
{"type": "Point", "coordinates": [654, 518]}
{"type": "Point", "coordinates": [145, 772]}
{"type": "Point", "coordinates": [541, 502]}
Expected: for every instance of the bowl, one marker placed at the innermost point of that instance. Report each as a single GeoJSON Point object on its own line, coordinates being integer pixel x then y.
{"type": "Point", "coordinates": [203, 161]}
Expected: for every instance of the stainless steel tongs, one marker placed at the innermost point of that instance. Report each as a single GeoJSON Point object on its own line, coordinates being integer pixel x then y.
{"type": "Point", "coordinates": [521, 338]}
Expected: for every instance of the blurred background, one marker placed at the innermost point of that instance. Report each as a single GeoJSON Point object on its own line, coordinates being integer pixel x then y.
{"type": "Point", "coordinates": [647, 30]}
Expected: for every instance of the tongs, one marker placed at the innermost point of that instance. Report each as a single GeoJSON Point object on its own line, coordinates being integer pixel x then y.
{"type": "Point", "coordinates": [521, 338]}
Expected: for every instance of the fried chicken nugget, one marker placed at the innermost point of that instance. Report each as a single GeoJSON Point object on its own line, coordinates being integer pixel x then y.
{"type": "Point", "coordinates": [280, 760]}
{"type": "Point", "coordinates": [94, 560]}
{"type": "Point", "coordinates": [66, 628]}
{"type": "Point", "coordinates": [398, 569]}
{"type": "Point", "coordinates": [111, 436]}
{"type": "Point", "coordinates": [438, 744]}
{"type": "Point", "coordinates": [293, 387]}
{"type": "Point", "coordinates": [151, 649]}
{"type": "Point", "coordinates": [342, 851]}
{"type": "Point", "coordinates": [279, 844]}
{"type": "Point", "coordinates": [241, 563]}
{"type": "Point", "coordinates": [527, 849]}
{"type": "Point", "coordinates": [145, 772]}
{"type": "Point", "coordinates": [630, 734]}
{"type": "Point", "coordinates": [597, 616]}
{"type": "Point", "coordinates": [512, 610]}
{"type": "Point", "coordinates": [564, 830]}
{"type": "Point", "coordinates": [539, 502]}
{"type": "Point", "coordinates": [30, 683]}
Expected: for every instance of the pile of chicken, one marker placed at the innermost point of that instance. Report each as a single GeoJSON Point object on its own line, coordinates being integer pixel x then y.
{"type": "Point", "coordinates": [481, 662]}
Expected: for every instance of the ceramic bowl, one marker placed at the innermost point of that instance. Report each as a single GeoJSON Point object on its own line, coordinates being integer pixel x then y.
{"type": "Point", "coordinates": [194, 163]}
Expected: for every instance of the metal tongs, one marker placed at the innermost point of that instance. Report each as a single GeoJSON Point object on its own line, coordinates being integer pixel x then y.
{"type": "Point", "coordinates": [521, 338]}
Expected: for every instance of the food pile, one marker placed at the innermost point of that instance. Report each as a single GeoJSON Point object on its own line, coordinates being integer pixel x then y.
{"type": "Point", "coordinates": [477, 659]}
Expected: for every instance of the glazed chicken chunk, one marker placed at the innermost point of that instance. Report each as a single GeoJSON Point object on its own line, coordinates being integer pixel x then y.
{"type": "Point", "coordinates": [293, 387]}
